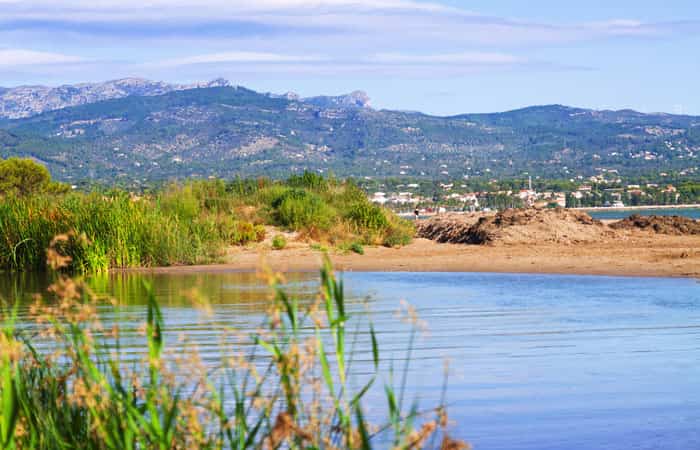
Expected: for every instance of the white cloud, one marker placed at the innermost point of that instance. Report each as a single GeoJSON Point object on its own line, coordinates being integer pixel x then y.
{"type": "Point", "coordinates": [473, 58]}
{"type": "Point", "coordinates": [126, 10]}
{"type": "Point", "coordinates": [380, 22]}
{"type": "Point", "coordinates": [21, 57]}
{"type": "Point", "coordinates": [239, 57]}
{"type": "Point", "coordinates": [401, 37]}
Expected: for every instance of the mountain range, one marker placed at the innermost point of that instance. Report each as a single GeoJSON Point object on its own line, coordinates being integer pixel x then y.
{"type": "Point", "coordinates": [135, 129]}
{"type": "Point", "coordinates": [27, 101]}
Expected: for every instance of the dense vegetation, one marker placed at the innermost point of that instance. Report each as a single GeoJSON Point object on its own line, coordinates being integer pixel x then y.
{"type": "Point", "coordinates": [185, 223]}
{"type": "Point", "coordinates": [227, 131]}
{"type": "Point", "coordinates": [287, 386]}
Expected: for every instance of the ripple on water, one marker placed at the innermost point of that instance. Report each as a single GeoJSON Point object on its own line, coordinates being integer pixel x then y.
{"type": "Point", "coordinates": [537, 362]}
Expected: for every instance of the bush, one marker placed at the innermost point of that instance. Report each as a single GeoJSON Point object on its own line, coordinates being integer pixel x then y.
{"type": "Point", "coordinates": [399, 233]}
{"type": "Point", "coordinates": [20, 177]}
{"type": "Point", "coordinates": [298, 209]}
{"type": "Point", "coordinates": [245, 232]}
{"type": "Point", "coordinates": [357, 248]}
{"type": "Point", "coordinates": [279, 242]}
{"type": "Point", "coordinates": [319, 248]}
{"type": "Point", "coordinates": [367, 216]}
{"type": "Point", "coordinates": [309, 180]}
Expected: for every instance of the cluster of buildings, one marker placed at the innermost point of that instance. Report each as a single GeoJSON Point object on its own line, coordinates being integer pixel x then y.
{"type": "Point", "coordinates": [457, 197]}
{"type": "Point", "coordinates": [400, 198]}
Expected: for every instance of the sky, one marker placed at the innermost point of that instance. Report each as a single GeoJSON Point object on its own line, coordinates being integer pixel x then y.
{"type": "Point", "coordinates": [437, 56]}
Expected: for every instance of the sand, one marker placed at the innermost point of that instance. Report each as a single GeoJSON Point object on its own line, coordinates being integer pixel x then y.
{"type": "Point", "coordinates": [515, 241]}
{"type": "Point", "coordinates": [643, 254]}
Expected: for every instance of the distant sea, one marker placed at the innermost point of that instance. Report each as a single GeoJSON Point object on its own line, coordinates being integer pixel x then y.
{"type": "Point", "coordinates": [618, 214]}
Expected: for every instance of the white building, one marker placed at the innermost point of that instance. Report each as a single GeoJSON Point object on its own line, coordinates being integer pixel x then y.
{"type": "Point", "coordinates": [404, 198]}
{"type": "Point", "coordinates": [378, 197]}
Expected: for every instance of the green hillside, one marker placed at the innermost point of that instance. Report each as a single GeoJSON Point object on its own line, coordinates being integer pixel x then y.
{"type": "Point", "coordinates": [229, 131]}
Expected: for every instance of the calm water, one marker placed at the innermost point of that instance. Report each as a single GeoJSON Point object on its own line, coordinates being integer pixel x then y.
{"type": "Point", "coordinates": [693, 213]}
{"type": "Point", "coordinates": [538, 362]}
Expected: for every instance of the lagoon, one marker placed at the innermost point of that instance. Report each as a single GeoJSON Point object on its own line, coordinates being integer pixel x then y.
{"type": "Point", "coordinates": [537, 361]}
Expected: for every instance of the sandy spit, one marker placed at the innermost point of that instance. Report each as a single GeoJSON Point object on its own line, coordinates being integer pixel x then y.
{"type": "Point", "coordinates": [642, 255]}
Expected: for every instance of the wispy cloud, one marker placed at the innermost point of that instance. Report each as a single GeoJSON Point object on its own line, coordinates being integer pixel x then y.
{"type": "Point", "coordinates": [22, 57]}
{"type": "Point", "coordinates": [469, 58]}
{"type": "Point", "coordinates": [368, 18]}
{"type": "Point", "coordinates": [238, 57]}
{"type": "Point", "coordinates": [405, 65]}
{"type": "Point", "coordinates": [131, 10]}
{"type": "Point", "coordinates": [323, 37]}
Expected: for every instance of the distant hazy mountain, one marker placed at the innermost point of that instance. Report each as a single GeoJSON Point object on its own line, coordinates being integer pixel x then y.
{"type": "Point", "coordinates": [226, 131]}
{"type": "Point", "coordinates": [26, 101]}
{"type": "Point", "coordinates": [357, 99]}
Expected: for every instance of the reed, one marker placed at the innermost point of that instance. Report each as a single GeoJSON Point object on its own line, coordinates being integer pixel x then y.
{"type": "Point", "coordinates": [115, 231]}
{"type": "Point", "coordinates": [187, 223]}
{"type": "Point", "coordinates": [286, 386]}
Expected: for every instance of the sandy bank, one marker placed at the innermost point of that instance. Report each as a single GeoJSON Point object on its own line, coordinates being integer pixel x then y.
{"type": "Point", "coordinates": [643, 255]}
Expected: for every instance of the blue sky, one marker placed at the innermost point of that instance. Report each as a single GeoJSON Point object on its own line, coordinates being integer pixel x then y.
{"type": "Point", "coordinates": [441, 56]}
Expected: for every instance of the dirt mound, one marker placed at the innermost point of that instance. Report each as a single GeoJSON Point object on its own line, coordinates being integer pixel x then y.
{"type": "Point", "coordinates": [673, 225]}
{"type": "Point", "coordinates": [515, 226]}
{"type": "Point", "coordinates": [452, 228]}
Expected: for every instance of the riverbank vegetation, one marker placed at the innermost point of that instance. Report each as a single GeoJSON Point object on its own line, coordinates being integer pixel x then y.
{"type": "Point", "coordinates": [182, 223]}
{"type": "Point", "coordinates": [65, 383]}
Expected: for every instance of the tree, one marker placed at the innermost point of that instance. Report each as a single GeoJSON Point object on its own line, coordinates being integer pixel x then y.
{"type": "Point", "coordinates": [24, 177]}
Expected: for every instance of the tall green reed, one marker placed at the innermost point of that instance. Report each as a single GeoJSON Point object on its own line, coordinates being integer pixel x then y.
{"type": "Point", "coordinates": [188, 223]}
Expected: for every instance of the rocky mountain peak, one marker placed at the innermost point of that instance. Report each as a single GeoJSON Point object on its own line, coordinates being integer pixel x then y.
{"type": "Point", "coordinates": [355, 99]}
{"type": "Point", "coordinates": [218, 82]}
{"type": "Point", "coordinates": [27, 101]}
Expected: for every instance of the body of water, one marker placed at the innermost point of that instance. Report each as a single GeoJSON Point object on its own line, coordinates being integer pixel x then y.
{"type": "Point", "coordinates": [618, 214]}
{"type": "Point", "coordinates": [537, 361]}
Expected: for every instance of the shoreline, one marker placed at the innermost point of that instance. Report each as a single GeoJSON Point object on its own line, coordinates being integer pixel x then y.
{"type": "Point", "coordinates": [652, 256]}
{"type": "Point", "coordinates": [408, 215]}
{"type": "Point", "coordinates": [634, 208]}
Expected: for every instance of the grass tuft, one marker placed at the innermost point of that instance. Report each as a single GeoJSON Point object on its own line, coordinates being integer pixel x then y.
{"type": "Point", "coordinates": [279, 242]}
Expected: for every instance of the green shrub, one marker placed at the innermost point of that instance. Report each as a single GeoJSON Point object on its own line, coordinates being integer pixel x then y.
{"type": "Point", "coordinates": [298, 209]}
{"type": "Point", "coordinates": [319, 247]}
{"type": "Point", "coordinates": [279, 242]}
{"type": "Point", "coordinates": [367, 216]}
{"type": "Point", "coordinates": [399, 233]}
{"type": "Point", "coordinates": [245, 233]}
{"type": "Point", "coordinates": [309, 180]}
{"type": "Point", "coordinates": [20, 177]}
{"type": "Point", "coordinates": [357, 248]}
